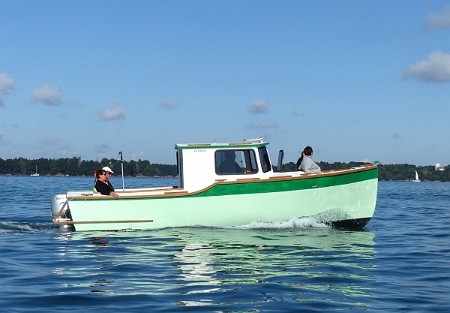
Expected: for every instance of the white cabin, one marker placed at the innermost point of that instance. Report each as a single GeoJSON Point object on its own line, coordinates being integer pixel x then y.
{"type": "Point", "coordinates": [200, 165]}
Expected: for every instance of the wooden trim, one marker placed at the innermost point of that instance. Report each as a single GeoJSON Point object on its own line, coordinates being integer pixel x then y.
{"type": "Point", "coordinates": [166, 188]}
{"type": "Point", "coordinates": [240, 143]}
{"type": "Point", "coordinates": [326, 173]}
{"type": "Point", "coordinates": [199, 144]}
{"type": "Point", "coordinates": [176, 193]}
{"type": "Point", "coordinates": [248, 180]}
{"type": "Point", "coordinates": [99, 222]}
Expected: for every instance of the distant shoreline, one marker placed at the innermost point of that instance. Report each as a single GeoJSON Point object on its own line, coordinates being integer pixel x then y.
{"type": "Point", "coordinates": [64, 175]}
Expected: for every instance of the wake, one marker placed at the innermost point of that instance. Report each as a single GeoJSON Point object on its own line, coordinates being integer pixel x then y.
{"type": "Point", "coordinates": [306, 222]}
{"type": "Point", "coordinates": [21, 227]}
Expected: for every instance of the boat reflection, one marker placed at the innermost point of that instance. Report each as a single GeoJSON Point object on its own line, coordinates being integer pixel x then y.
{"type": "Point", "coordinates": [320, 260]}
{"type": "Point", "coordinates": [203, 266]}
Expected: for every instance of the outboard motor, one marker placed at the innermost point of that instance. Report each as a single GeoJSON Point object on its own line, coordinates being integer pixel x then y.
{"type": "Point", "coordinates": [57, 204]}
{"type": "Point", "coordinates": [60, 211]}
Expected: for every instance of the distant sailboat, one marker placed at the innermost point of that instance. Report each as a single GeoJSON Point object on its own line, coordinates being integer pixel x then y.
{"type": "Point", "coordinates": [416, 179]}
{"type": "Point", "coordinates": [35, 174]}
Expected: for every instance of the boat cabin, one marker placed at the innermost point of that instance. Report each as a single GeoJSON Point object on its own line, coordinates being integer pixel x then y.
{"type": "Point", "coordinates": [200, 165]}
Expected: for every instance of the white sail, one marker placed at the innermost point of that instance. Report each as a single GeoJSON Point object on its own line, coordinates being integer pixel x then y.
{"type": "Point", "coordinates": [416, 179]}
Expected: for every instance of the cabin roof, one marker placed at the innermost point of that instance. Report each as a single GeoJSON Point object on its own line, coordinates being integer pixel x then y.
{"type": "Point", "coordinates": [243, 144]}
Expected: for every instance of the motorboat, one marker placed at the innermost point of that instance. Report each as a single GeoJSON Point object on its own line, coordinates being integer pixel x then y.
{"type": "Point", "coordinates": [211, 193]}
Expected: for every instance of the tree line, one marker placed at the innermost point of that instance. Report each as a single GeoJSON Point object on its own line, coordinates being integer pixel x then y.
{"type": "Point", "coordinates": [77, 167]}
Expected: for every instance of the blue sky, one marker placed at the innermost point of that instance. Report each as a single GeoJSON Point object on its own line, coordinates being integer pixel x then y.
{"type": "Point", "coordinates": [356, 80]}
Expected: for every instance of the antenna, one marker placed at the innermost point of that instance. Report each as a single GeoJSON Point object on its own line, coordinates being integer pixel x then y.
{"type": "Point", "coordinates": [121, 166]}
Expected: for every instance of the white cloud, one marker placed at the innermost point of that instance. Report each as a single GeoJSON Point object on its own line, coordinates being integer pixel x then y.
{"type": "Point", "coordinates": [114, 112]}
{"type": "Point", "coordinates": [396, 135]}
{"type": "Point", "coordinates": [52, 140]}
{"type": "Point", "coordinates": [101, 149]}
{"type": "Point", "coordinates": [259, 106]}
{"type": "Point", "coordinates": [435, 69]}
{"type": "Point", "coordinates": [168, 103]}
{"type": "Point", "coordinates": [1, 135]}
{"type": "Point", "coordinates": [47, 95]}
{"type": "Point", "coordinates": [6, 85]}
{"type": "Point", "coordinates": [137, 155]}
{"type": "Point", "coordinates": [297, 113]}
{"type": "Point", "coordinates": [438, 20]}
{"type": "Point", "coordinates": [263, 126]}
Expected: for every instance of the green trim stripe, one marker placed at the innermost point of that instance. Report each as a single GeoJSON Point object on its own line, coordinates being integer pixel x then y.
{"type": "Point", "coordinates": [288, 185]}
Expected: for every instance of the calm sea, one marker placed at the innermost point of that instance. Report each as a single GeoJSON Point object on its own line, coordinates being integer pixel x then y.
{"type": "Point", "coordinates": [399, 263]}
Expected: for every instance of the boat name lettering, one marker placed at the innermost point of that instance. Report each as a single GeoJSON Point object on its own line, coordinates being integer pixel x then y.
{"type": "Point", "coordinates": [200, 150]}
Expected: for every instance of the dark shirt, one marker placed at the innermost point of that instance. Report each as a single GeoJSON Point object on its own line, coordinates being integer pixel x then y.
{"type": "Point", "coordinates": [103, 188]}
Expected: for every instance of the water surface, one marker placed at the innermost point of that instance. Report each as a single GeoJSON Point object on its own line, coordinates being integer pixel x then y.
{"type": "Point", "coordinates": [400, 262]}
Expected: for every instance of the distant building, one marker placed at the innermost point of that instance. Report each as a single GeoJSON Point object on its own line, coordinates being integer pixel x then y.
{"type": "Point", "coordinates": [438, 167]}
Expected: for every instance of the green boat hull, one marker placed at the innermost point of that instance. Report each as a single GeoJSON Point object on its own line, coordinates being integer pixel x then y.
{"type": "Point", "coordinates": [345, 199]}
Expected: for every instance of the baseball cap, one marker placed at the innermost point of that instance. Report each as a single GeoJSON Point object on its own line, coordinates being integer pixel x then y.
{"type": "Point", "coordinates": [107, 169]}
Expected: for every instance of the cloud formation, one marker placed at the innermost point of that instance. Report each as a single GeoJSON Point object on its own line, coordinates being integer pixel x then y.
{"type": "Point", "coordinates": [435, 69]}
{"type": "Point", "coordinates": [167, 103]}
{"type": "Point", "coordinates": [114, 112]}
{"type": "Point", "coordinates": [47, 95]}
{"type": "Point", "coordinates": [263, 126]}
{"type": "Point", "coordinates": [259, 106]}
{"type": "Point", "coordinates": [52, 140]}
{"type": "Point", "coordinates": [396, 135]}
{"type": "Point", "coordinates": [101, 149]}
{"type": "Point", "coordinates": [438, 20]}
{"type": "Point", "coordinates": [6, 85]}
{"type": "Point", "coordinates": [297, 113]}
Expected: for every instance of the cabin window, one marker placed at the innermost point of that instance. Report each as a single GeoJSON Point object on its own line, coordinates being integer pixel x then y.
{"type": "Point", "coordinates": [265, 160]}
{"type": "Point", "coordinates": [235, 162]}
